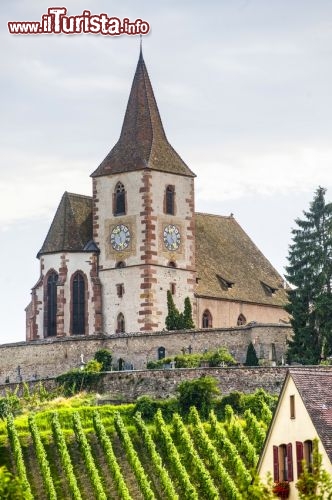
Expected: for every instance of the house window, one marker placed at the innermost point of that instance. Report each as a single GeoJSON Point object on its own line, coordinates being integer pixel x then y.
{"type": "Point", "coordinates": [170, 199]}
{"type": "Point", "coordinates": [173, 288]}
{"type": "Point", "coordinates": [51, 304]}
{"type": "Point", "coordinates": [241, 320]}
{"type": "Point", "coordinates": [307, 453]}
{"type": "Point", "coordinates": [120, 322]}
{"type": "Point", "coordinates": [119, 200]}
{"type": "Point", "coordinates": [303, 451]}
{"type": "Point", "coordinates": [283, 462]}
{"type": "Point", "coordinates": [120, 289]}
{"type": "Point", "coordinates": [292, 406]}
{"type": "Point", "coordinates": [206, 319]}
{"type": "Point", "coordinates": [78, 304]}
{"type": "Point", "coordinates": [161, 352]}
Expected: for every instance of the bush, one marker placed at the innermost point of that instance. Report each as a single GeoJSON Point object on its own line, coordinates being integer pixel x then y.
{"type": "Point", "coordinates": [235, 399]}
{"type": "Point", "coordinates": [93, 366]}
{"type": "Point", "coordinates": [146, 406]}
{"type": "Point", "coordinates": [199, 393]}
{"type": "Point", "coordinates": [78, 380]}
{"type": "Point", "coordinates": [251, 359]}
{"type": "Point", "coordinates": [104, 356]}
{"type": "Point", "coordinates": [219, 357]}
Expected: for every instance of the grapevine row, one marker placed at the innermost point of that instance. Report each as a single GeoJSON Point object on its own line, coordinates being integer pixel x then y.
{"type": "Point", "coordinates": [168, 487]}
{"type": "Point", "coordinates": [19, 461]}
{"type": "Point", "coordinates": [133, 458]}
{"type": "Point", "coordinates": [231, 458]}
{"type": "Point", "coordinates": [110, 458]}
{"type": "Point", "coordinates": [42, 459]}
{"type": "Point", "coordinates": [189, 491]}
{"type": "Point", "coordinates": [203, 441]}
{"type": "Point", "coordinates": [65, 457]}
{"type": "Point", "coordinates": [88, 458]}
{"type": "Point", "coordinates": [240, 438]}
{"type": "Point", "coordinates": [254, 430]}
{"type": "Point", "coordinates": [194, 460]}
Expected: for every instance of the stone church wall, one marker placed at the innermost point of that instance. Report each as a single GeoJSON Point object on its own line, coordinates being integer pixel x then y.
{"type": "Point", "coordinates": [50, 357]}
{"type": "Point", "coordinates": [127, 386]}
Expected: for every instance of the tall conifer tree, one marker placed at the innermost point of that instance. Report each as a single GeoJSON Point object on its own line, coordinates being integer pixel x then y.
{"type": "Point", "coordinates": [310, 272]}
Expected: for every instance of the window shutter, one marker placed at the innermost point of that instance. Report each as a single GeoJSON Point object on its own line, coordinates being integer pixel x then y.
{"type": "Point", "coordinates": [299, 457]}
{"type": "Point", "coordinates": [290, 462]}
{"type": "Point", "coordinates": [275, 463]}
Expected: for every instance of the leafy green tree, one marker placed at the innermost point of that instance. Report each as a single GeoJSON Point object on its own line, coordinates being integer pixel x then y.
{"type": "Point", "coordinates": [188, 322]}
{"type": "Point", "coordinates": [173, 316]}
{"type": "Point", "coordinates": [251, 359]}
{"type": "Point", "coordinates": [104, 356]}
{"type": "Point", "coordinates": [314, 483]}
{"type": "Point", "coordinates": [310, 272]}
{"type": "Point", "coordinates": [199, 393]}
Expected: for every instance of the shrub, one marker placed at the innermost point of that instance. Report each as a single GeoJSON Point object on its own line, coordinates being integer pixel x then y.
{"type": "Point", "coordinates": [251, 359]}
{"type": "Point", "coordinates": [93, 366]}
{"type": "Point", "coordinates": [104, 356]}
{"type": "Point", "coordinates": [199, 393]}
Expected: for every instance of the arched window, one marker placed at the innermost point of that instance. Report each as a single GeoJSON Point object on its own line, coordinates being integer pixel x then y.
{"type": "Point", "coordinates": [241, 320]}
{"type": "Point", "coordinates": [161, 352]}
{"type": "Point", "coordinates": [120, 322]}
{"type": "Point", "coordinates": [172, 264]}
{"type": "Point", "coordinates": [78, 304]}
{"type": "Point", "coordinates": [206, 319]}
{"type": "Point", "coordinates": [170, 200]}
{"type": "Point", "coordinates": [51, 304]}
{"type": "Point", "coordinates": [119, 200]}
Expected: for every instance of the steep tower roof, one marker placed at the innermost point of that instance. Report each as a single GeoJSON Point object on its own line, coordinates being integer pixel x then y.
{"type": "Point", "coordinates": [142, 143]}
{"type": "Point", "coordinates": [71, 228]}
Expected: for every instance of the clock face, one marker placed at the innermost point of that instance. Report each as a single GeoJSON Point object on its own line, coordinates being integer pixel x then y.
{"type": "Point", "coordinates": [172, 237]}
{"type": "Point", "coordinates": [120, 237]}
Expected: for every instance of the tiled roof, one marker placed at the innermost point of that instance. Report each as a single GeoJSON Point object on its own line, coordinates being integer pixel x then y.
{"type": "Point", "coordinates": [142, 143]}
{"type": "Point", "coordinates": [71, 228]}
{"type": "Point", "coordinates": [315, 388]}
{"type": "Point", "coordinates": [230, 266]}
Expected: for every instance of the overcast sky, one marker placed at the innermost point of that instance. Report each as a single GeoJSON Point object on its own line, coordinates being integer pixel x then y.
{"type": "Point", "coordinates": [244, 92]}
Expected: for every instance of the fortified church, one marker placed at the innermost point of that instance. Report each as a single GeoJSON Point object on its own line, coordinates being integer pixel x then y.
{"type": "Point", "coordinates": [108, 260]}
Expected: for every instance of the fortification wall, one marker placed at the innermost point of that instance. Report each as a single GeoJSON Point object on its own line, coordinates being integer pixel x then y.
{"type": "Point", "coordinates": [127, 386]}
{"type": "Point", "coordinates": [50, 357]}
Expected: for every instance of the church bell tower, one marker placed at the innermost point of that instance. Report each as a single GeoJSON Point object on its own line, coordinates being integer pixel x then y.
{"type": "Point", "coordinates": [143, 219]}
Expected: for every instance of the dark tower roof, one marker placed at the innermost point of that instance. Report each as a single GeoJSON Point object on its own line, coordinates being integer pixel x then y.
{"type": "Point", "coordinates": [142, 143]}
{"type": "Point", "coordinates": [71, 228]}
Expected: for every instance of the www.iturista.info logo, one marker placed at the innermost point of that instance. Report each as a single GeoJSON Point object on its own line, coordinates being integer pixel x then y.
{"type": "Point", "coordinates": [56, 22]}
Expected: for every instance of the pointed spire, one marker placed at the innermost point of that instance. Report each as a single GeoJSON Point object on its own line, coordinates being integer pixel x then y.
{"type": "Point", "coordinates": [142, 143]}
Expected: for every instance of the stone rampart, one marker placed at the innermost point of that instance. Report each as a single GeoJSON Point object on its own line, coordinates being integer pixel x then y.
{"type": "Point", "coordinates": [38, 359]}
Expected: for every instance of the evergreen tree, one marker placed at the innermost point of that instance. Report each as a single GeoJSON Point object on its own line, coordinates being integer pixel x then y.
{"type": "Point", "coordinates": [310, 272]}
{"type": "Point", "coordinates": [173, 317]}
{"type": "Point", "coordinates": [188, 322]}
{"type": "Point", "coordinates": [251, 359]}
